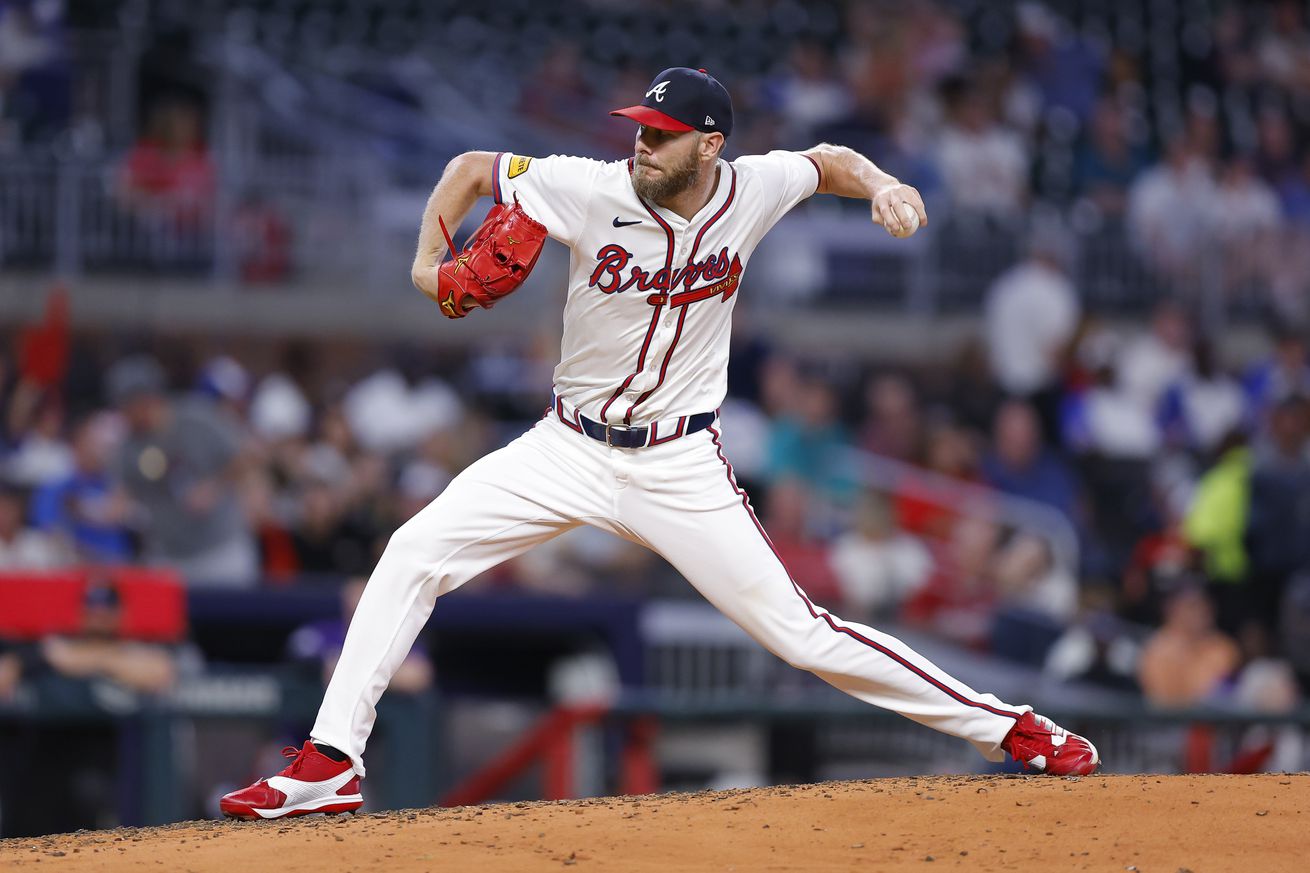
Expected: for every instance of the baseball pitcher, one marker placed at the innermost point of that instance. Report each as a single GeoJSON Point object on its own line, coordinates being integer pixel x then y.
{"type": "Point", "coordinates": [659, 246]}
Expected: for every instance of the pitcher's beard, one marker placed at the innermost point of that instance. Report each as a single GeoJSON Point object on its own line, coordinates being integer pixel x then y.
{"type": "Point", "coordinates": [672, 182]}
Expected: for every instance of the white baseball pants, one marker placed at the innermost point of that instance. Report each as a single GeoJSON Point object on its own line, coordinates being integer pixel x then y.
{"type": "Point", "coordinates": [679, 499]}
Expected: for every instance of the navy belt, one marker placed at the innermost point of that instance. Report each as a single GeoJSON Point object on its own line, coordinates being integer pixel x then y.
{"type": "Point", "coordinates": [625, 437]}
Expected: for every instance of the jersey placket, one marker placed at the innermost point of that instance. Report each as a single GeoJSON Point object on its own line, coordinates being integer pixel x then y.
{"type": "Point", "coordinates": [668, 330]}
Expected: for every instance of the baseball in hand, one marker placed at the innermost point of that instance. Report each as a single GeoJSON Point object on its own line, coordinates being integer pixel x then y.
{"type": "Point", "coordinates": [909, 220]}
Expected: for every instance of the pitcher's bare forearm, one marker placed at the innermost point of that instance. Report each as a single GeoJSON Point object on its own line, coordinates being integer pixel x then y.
{"type": "Point", "coordinates": [847, 173]}
{"type": "Point", "coordinates": [466, 178]}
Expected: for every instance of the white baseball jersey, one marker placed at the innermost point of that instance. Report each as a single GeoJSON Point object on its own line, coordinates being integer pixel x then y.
{"type": "Point", "coordinates": [651, 294]}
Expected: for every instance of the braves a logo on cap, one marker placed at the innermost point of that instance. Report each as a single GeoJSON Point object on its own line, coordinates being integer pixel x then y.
{"type": "Point", "coordinates": [658, 91]}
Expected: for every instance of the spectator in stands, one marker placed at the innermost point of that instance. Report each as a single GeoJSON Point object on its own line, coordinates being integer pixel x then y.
{"type": "Point", "coordinates": [74, 761]}
{"type": "Point", "coordinates": [1095, 648]}
{"type": "Point", "coordinates": [1285, 372]}
{"type": "Point", "coordinates": [1107, 161]}
{"type": "Point", "coordinates": [1275, 147]}
{"type": "Point", "coordinates": [1293, 190]}
{"type": "Point", "coordinates": [745, 438]}
{"type": "Point", "coordinates": [1101, 418]}
{"type": "Point", "coordinates": [1245, 208]}
{"type": "Point", "coordinates": [1245, 218]}
{"type": "Point", "coordinates": [1020, 464]}
{"type": "Point", "coordinates": [318, 646]}
{"type": "Point", "coordinates": [1283, 51]}
{"type": "Point", "coordinates": [1187, 661]}
{"type": "Point", "coordinates": [42, 453]}
{"type": "Point", "coordinates": [1161, 563]}
{"type": "Point", "coordinates": [262, 240]}
{"type": "Point", "coordinates": [428, 472]}
{"type": "Point", "coordinates": [1030, 313]}
{"type": "Point", "coordinates": [893, 425]}
{"type": "Point", "coordinates": [1168, 211]}
{"type": "Point", "coordinates": [877, 566]}
{"type": "Point", "coordinates": [1156, 358]}
{"type": "Point", "coordinates": [959, 599]}
{"type": "Point", "coordinates": [971, 392]}
{"type": "Point", "coordinates": [84, 507]}
{"type": "Point", "coordinates": [927, 501]}
{"type": "Point", "coordinates": [1216, 525]}
{"type": "Point", "coordinates": [1278, 528]}
{"type": "Point", "coordinates": [22, 547]}
{"type": "Point", "coordinates": [35, 81]}
{"type": "Point", "coordinates": [99, 650]}
{"type": "Point", "coordinates": [1064, 69]}
{"type": "Point", "coordinates": [1235, 47]}
{"type": "Point", "coordinates": [1294, 625]}
{"type": "Point", "coordinates": [325, 542]}
{"type": "Point", "coordinates": [179, 462]}
{"type": "Point", "coordinates": [167, 179]}
{"type": "Point", "coordinates": [984, 166]}
{"type": "Point", "coordinates": [789, 518]}
{"type": "Point", "coordinates": [811, 444]}
{"type": "Point", "coordinates": [224, 381]}
{"type": "Point", "coordinates": [809, 95]}
{"type": "Point", "coordinates": [1114, 439]}
{"type": "Point", "coordinates": [1202, 406]}
{"type": "Point", "coordinates": [1028, 577]}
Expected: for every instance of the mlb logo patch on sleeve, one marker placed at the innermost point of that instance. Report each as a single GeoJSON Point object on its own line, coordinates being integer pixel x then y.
{"type": "Point", "coordinates": [518, 165]}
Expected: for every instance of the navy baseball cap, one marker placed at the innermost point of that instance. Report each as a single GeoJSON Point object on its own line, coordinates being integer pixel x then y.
{"type": "Point", "coordinates": [682, 99]}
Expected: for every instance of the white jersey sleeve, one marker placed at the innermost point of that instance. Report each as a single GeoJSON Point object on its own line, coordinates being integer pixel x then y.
{"type": "Point", "coordinates": [555, 190]}
{"type": "Point", "coordinates": [782, 179]}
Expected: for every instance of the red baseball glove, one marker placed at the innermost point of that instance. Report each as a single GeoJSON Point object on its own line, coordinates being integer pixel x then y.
{"type": "Point", "coordinates": [495, 261]}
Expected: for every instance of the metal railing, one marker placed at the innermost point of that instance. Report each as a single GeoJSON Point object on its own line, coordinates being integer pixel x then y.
{"type": "Point", "coordinates": [890, 476]}
{"type": "Point", "coordinates": [344, 173]}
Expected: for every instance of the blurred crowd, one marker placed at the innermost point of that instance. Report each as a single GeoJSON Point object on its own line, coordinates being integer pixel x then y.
{"type": "Point", "coordinates": [1170, 140]}
{"type": "Point", "coordinates": [1183, 150]}
{"type": "Point", "coordinates": [1068, 492]}
{"type": "Point", "coordinates": [35, 72]}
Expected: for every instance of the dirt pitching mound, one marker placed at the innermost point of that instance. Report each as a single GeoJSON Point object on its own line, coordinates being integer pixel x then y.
{"type": "Point", "coordinates": [1152, 824]}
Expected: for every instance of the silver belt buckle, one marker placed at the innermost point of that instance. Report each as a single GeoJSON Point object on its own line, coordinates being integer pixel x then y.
{"type": "Point", "coordinates": [610, 428]}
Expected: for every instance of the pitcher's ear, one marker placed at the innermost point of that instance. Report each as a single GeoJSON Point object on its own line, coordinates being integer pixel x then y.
{"type": "Point", "coordinates": [711, 144]}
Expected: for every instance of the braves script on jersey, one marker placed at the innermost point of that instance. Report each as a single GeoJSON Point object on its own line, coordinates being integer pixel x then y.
{"type": "Point", "coordinates": [651, 294]}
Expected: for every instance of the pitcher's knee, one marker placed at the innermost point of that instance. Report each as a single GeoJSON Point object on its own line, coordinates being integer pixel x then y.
{"type": "Point", "coordinates": [406, 542]}
{"type": "Point", "coordinates": [416, 548]}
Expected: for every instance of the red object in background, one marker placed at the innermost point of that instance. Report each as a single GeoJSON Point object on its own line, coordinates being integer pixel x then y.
{"type": "Point", "coordinates": [178, 181]}
{"type": "Point", "coordinates": [280, 561]}
{"type": "Point", "coordinates": [808, 562]}
{"type": "Point", "coordinates": [43, 347]}
{"type": "Point", "coordinates": [550, 742]}
{"type": "Point", "coordinates": [37, 605]}
{"type": "Point", "coordinates": [34, 605]}
{"type": "Point", "coordinates": [265, 243]}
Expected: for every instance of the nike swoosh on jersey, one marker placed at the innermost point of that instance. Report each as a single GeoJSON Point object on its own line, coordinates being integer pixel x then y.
{"type": "Point", "coordinates": [618, 223]}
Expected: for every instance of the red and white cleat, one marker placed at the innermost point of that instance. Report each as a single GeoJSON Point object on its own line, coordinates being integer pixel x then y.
{"type": "Point", "coordinates": [312, 782]}
{"type": "Point", "coordinates": [1040, 743]}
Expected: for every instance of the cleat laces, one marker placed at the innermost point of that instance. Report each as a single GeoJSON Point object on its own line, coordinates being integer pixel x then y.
{"type": "Point", "coordinates": [299, 755]}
